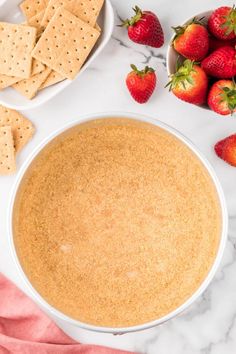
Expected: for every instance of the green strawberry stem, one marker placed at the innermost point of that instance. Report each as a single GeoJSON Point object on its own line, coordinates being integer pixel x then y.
{"type": "Point", "coordinates": [143, 72]}
{"type": "Point", "coordinates": [230, 22]}
{"type": "Point", "coordinates": [229, 96]}
{"type": "Point", "coordinates": [134, 19]}
{"type": "Point", "coordinates": [182, 74]}
{"type": "Point", "coordinates": [179, 30]}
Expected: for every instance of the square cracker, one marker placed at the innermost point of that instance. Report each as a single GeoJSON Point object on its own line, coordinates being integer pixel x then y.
{"type": "Point", "coordinates": [86, 10]}
{"type": "Point", "coordinates": [65, 43]}
{"type": "Point", "coordinates": [22, 128]}
{"type": "Point", "coordinates": [6, 81]}
{"type": "Point", "coordinates": [31, 8]}
{"type": "Point", "coordinates": [7, 151]}
{"type": "Point", "coordinates": [30, 87]}
{"type": "Point", "coordinates": [16, 44]}
{"type": "Point", "coordinates": [52, 79]}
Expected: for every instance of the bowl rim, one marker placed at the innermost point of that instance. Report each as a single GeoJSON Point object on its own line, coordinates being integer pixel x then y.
{"type": "Point", "coordinates": [170, 50]}
{"type": "Point", "coordinates": [117, 330]}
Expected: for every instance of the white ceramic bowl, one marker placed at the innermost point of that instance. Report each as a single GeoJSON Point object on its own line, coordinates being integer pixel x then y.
{"type": "Point", "coordinates": [172, 55]}
{"type": "Point", "coordinates": [57, 314]}
{"type": "Point", "coordinates": [10, 12]}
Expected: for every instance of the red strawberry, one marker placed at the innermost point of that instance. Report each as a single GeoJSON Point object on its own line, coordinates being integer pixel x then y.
{"type": "Point", "coordinates": [145, 28]}
{"type": "Point", "coordinates": [141, 83]}
{"type": "Point", "coordinates": [221, 63]}
{"type": "Point", "coordinates": [222, 23]}
{"type": "Point", "coordinates": [189, 83]}
{"type": "Point", "coordinates": [222, 97]}
{"type": "Point", "coordinates": [215, 43]}
{"type": "Point", "coordinates": [192, 40]}
{"type": "Point", "coordinates": [226, 149]}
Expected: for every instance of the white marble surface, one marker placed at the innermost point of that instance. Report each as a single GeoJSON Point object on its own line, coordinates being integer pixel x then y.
{"type": "Point", "coordinates": [209, 326]}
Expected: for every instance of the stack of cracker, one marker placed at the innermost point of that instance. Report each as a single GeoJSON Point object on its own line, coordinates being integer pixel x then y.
{"type": "Point", "coordinates": [50, 47]}
{"type": "Point", "coordinates": [15, 132]}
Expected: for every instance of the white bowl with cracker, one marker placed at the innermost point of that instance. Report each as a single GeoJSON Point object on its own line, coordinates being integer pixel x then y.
{"type": "Point", "coordinates": [60, 48]}
{"type": "Point", "coordinates": [21, 181]}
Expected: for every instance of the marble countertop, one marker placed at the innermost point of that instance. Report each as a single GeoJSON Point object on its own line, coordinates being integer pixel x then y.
{"type": "Point", "coordinates": [208, 326]}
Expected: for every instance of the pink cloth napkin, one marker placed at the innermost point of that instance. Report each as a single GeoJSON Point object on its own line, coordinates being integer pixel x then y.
{"type": "Point", "coordinates": [25, 329]}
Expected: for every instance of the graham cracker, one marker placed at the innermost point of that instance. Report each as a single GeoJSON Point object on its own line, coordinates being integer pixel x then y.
{"type": "Point", "coordinates": [36, 20]}
{"type": "Point", "coordinates": [31, 8]}
{"type": "Point", "coordinates": [7, 151]}
{"type": "Point", "coordinates": [6, 81]}
{"type": "Point", "coordinates": [65, 43]}
{"type": "Point", "coordinates": [86, 10]}
{"type": "Point", "coordinates": [22, 128]}
{"type": "Point", "coordinates": [30, 87]}
{"type": "Point", "coordinates": [53, 78]}
{"type": "Point", "coordinates": [16, 44]}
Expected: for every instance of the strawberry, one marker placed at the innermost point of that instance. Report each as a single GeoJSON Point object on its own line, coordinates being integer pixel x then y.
{"type": "Point", "coordinates": [192, 40]}
{"type": "Point", "coordinates": [221, 63]}
{"type": "Point", "coordinates": [226, 149]}
{"type": "Point", "coordinates": [189, 83]}
{"type": "Point", "coordinates": [215, 43]}
{"type": "Point", "coordinates": [141, 83]}
{"type": "Point", "coordinates": [145, 28]}
{"type": "Point", "coordinates": [222, 97]}
{"type": "Point", "coordinates": [222, 23]}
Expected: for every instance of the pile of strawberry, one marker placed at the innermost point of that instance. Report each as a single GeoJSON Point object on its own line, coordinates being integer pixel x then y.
{"type": "Point", "coordinates": [206, 67]}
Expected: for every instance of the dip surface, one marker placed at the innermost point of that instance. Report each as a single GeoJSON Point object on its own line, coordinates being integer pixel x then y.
{"type": "Point", "coordinates": [116, 223]}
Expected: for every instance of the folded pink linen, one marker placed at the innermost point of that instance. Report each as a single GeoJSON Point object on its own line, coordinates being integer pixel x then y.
{"type": "Point", "coordinates": [25, 329]}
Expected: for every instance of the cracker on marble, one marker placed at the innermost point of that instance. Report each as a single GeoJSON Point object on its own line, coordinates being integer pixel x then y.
{"type": "Point", "coordinates": [7, 151]}
{"type": "Point", "coordinates": [22, 128]}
